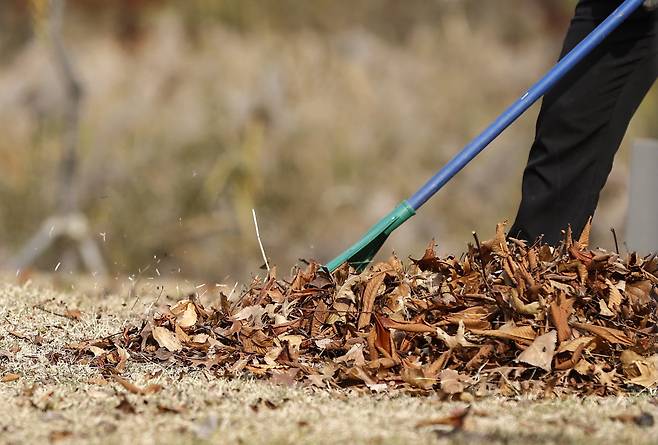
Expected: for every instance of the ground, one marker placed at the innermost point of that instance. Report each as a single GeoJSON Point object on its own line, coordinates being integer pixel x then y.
{"type": "Point", "coordinates": [48, 396]}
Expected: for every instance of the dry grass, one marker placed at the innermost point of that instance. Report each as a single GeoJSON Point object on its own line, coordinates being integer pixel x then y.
{"type": "Point", "coordinates": [65, 401]}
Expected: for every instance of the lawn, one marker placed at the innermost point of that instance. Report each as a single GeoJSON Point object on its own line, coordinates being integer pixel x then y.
{"type": "Point", "coordinates": [48, 396]}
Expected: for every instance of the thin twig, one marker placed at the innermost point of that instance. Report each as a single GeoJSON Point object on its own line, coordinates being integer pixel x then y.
{"type": "Point", "coordinates": [481, 260]}
{"type": "Point", "coordinates": [154, 302]}
{"type": "Point", "coordinates": [260, 243]}
{"type": "Point", "coordinates": [40, 307]}
{"type": "Point", "coordinates": [614, 235]}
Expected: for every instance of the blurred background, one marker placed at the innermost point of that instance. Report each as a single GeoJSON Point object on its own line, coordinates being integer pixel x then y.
{"type": "Point", "coordinates": [137, 135]}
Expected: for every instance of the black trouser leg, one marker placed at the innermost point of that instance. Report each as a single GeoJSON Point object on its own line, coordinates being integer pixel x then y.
{"type": "Point", "coordinates": [583, 121]}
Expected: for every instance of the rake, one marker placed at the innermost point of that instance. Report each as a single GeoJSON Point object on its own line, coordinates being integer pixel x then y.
{"type": "Point", "coordinates": [361, 253]}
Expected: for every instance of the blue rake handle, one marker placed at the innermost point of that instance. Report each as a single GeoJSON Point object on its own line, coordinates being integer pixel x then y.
{"type": "Point", "coordinates": [362, 252]}
{"type": "Point", "coordinates": [523, 103]}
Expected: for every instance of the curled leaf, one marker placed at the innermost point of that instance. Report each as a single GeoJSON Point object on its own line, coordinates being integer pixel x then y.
{"type": "Point", "coordinates": [166, 339]}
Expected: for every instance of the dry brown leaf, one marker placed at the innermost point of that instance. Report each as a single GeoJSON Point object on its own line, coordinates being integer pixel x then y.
{"type": "Point", "coordinates": [368, 299]}
{"type": "Point", "coordinates": [455, 419]}
{"type": "Point", "coordinates": [644, 419]}
{"type": "Point", "coordinates": [524, 308]}
{"type": "Point", "coordinates": [131, 387]}
{"type": "Point", "coordinates": [73, 314]}
{"type": "Point", "coordinates": [406, 326]}
{"type": "Point", "coordinates": [200, 338]}
{"type": "Point", "coordinates": [604, 310]}
{"type": "Point", "coordinates": [451, 381]}
{"type": "Point", "coordinates": [169, 409]}
{"type": "Point", "coordinates": [416, 377]}
{"type": "Point", "coordinates": [357, 372]}
{"type": "Point", "coordinates": [560, 311]}
{"type": "Point", "coordinates": [96, 351]}
{"type": "Point", "coordinates": [293, 342]}
{"type": "Point", "coordinates": [56, 436]}
{"type": "Point", "coordinates": [540, 352]}
{"type": "Point", "coordinates": [167, 339]}
{"type": "Point", "coordinates": [499, 245]}
{"type": "Point", "coordinates": [181, 334]}
{"type": "Point", "coordinates": [583, 241]}
{"type": "Point", "coordinates": [639, 293]}
{"type": "Point", "coordinates": [458, 340]}
{"type": "Point", "coordinates": [253, 315]}
{"type": "Point", "coordinates": [573, 345]}
{"type": "Point", "coordinates": [272, 355]}
{"type": "Point", "coordinates": [125, 406]}
{"type": "Point", "coordinates": [123, 359]}
{"type": "Point", "coordinates": [188, 318]}
{"type": "Point", "coordinates": [640, 370]}
{"type": "Point", "coordinates": [11, 377]}
{"type": "Point", "coordinates": [614, 296]}
{"type": "Point", "coordinates": [180, 307]}
{"type": "Point", "coordinates": [429, 261]}
{"type": "Point", "coordinates": [472, 317]}
{"type": "Point", "coordinates": [522, 334]}
{"type": "Point", "coordinates": [97, 381]}
{"type": "Point", "coordinates": [614, 336]}
{"type": "Point", "coordinates": [355, 355]}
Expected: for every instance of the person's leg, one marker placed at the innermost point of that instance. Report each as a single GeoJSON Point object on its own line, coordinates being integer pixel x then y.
{"type": "Point", "coordinates": [582, 123]}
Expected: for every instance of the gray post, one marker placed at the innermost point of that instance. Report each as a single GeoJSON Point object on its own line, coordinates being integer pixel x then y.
{"type": "Point", "coordinates": [642, 225]}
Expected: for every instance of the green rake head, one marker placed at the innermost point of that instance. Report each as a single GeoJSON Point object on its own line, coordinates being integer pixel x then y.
{"type": "Point", "coordinates": [361, 253]}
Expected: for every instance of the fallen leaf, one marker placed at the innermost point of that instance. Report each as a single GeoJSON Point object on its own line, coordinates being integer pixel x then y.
{"type": "Point", "coordinates": [540, 352]}
{"type": "Point", "coordinates": [451, 381]}
{"type": "Point", "coordinates": [188, 318]}
{"type": "Point", "coordinates": [614, 296]}
{"type": "Point", "coordinates": [252, 314]}
{"type": "Point", "coordinates": [644, 419]}
{"type": "Point", "coordinates": [573, 345]}
{"type": "Point", "coordinates": [125, 406]}
{"type": "Point", "coordinates": [640, 370]}
{"type": "Point", "coordinates": [166, 339]}
{"type": "Point", "coordinates": [614, 336]}
{"type": "Point", "coordinates": [169, 409]}
{"type": "Point", "coordinates": [604, 310]}
{"type": "Point", "coordinates": [73, 314]}
{"type": "Point", "coordinates": [9, 378]}
{"type": "Point", "coordinates": [560, 310]}
{"type": "Point", "coordinates": [416, 377]}
{"type": "Point", "coordinates": [56, 436]}
{"type": "Point", "coordinates": [458, 340]}
{"type": "Point", "coordinates": [455, 419]}
{"type": "Point", "coordinates": [355, 355]}
{"type": "Point", "coordinates": [285, 378]}
{"type": "Point", "coordinates": [499, 246]}
{"type": "Point", "coordinates": [123, 359]}
{"type": "Point", "coordinates": [19, 335]}
{"type": "Point", "coordinates": [524, 308]}
{"type": "Point", "coordinates": [272, 355]}
{"type": "Point", "coordinates": [131, 387]}
{"type": "Point", "coordinates": [583, 241]}
{"type": "Point", "coordinates": [413, 328]}
{"type": "Point", "coordinates": [97, 381]}
{"type": "Point", "coordinates": [368, 299]}
{"type": "Point", "coordinates": [406, 326]}
{"type": "Point", "coordinates": [522, 334]}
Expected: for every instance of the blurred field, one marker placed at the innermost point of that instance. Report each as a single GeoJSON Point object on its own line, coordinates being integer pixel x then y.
{"type": "Point", "coordinates": [320, 117]}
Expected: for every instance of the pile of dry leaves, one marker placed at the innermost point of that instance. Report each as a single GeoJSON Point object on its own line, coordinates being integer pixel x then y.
{"type": "Point", "coordinates": [505, 318]}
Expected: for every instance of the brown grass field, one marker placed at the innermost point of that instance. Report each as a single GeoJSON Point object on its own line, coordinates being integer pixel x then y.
{"type": "Point", "coordinates": [49, 397]}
